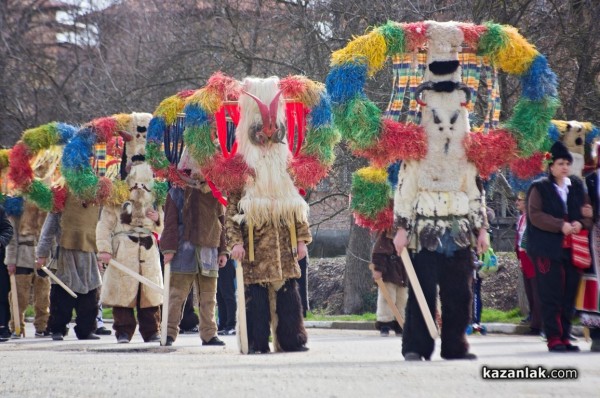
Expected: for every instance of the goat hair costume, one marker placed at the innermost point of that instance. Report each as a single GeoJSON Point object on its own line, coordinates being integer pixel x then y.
{"type": "Point", "coordinates": [283, 144]}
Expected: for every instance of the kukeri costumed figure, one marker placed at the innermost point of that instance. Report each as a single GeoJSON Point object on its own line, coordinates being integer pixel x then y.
{"type": "Point", "coordinates": [126, 233]}
{"type": "Point", "coordinates": [267, 223]}
{"type": "Point", "coordinates": [438, 211]}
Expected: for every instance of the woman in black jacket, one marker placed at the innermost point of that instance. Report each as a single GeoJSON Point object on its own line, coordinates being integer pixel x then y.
{"type": "Point", "coordinates": [554, 213]}
{"type": "Point", "coordinates": [6, 232]}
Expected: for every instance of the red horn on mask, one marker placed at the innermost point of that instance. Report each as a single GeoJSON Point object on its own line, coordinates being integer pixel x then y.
{"type": "Point", "coordinates": [268, 115]}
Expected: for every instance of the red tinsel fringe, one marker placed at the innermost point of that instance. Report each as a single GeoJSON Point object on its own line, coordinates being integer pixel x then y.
{"type": "Point", "coordinates": [228, 175]}
{"type": "Point", "coordinates": [104, 189]}
{"type": "Point", "coordinates": [415, 34]}
{"type": "Point", "coordinates": [173, 176]}
{"type": "Point", "coordinates": [307, 171]}
{"type": "Point", "coordinates": [59, 198]}
{"type": "Point", "coordinates": [490, 151]}
{"type": "Point", "coordinates": [472, 33]}
{"type": "Point", "coordinates": [227, 87]}
{"type": "Point", "coordinates": [185, 93]}
{"type": "Point", "coordinates": [383, 221]}
{"type": "Point", "coordinates": [398, 141]}
{"type": "Point", "coordinates": [526, 168]}
{"type": "Point", "coordinates": [105, 128]}
{"type": "Point", "coordinates": [20, 171]}
{"type": "Point", "coordinates": [292, 87]}
{"type": "Point", "coordinates": [114, 146]}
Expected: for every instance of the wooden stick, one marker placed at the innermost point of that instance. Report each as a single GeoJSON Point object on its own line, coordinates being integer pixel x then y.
{"type": "Point", "coordinates": [58, 281]}
{"type": "Point", "coordinates": [165, 306]}
{"type": "Point", "coordinates": [16, 316]}
{"type": "Point", "coordinates": [138, 277]}
{"type": "Point", "coordinates": [416, 287]}
{"type": "Point", "coordinates": [388, 298]}
{"type": "Point", "coordinates": [242, 327]}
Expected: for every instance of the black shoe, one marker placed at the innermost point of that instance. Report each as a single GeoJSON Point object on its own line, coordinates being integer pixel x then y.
{"type": "Point", "coordinates": [122, 338]}
{"type": "Point", "coordinates": [45, 333]}
{"type": "Point", "coordinates": [170, 341]}
{"type": "Point", "coordinates": [558, 348]}
{"type": "Point", "coordinates": [4, 333]}
{"type": "Point", "coordinates": [57, 336]}
{"type": "Point", "coordinates": [214, 341]}
{"type": "Point", "coordinates": [384, 331]}
{"type": "Point", "coordinates": [90, 336]}
{"type": "Point", "coordinates": [102, 331]}
{"type": "Point", "coordinates": [190, 330]}
{"type": "Point", "coordinates": [412, 356]}
{"type": "Point", "coordinates": [572, 348]}
{"type": "Point", "coordinates": [154, 338]}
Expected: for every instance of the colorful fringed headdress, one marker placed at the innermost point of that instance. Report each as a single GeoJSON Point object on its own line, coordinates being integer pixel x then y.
{"type": "Point", "coordinates": [210, 113]}
{"type": "Point", "coordinates": [519, 143]}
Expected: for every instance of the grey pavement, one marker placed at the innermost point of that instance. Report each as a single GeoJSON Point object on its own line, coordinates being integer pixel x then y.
{"type": "Point", "coordinates": [340, 363]}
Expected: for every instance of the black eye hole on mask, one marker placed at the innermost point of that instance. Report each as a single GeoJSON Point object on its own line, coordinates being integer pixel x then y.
{"type": "Point", "coordinates": [141, 129]}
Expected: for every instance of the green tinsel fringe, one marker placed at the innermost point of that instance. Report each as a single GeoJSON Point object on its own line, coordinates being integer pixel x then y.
{"type": "Point", "coordinates": [369, 198]}
{"type": "Point", "coordinates": [199, 143]}
{"type": "Point", "coordinates": [321, 143]}
{"type": "Point", "coordinates": [160, 189]}
{"type": "Point", "coordinates": [492, 40]}
{"type": "Point", "coordinates": [82, 183]}
{"type": "Point", "coordinates": [530, 122]}
{"type": "Point", "coordinates": [359, 122]}
{"type": "Point", "coordinates": [41, 195]}
{"type": "Point", "coordinates": [156, 157]}
{"type": "Point", "coordinates": [41, 137]}
{"type": "Point", "coordinates": [394, 38]}
{"type": "Point", "coordinates": [2, 198]}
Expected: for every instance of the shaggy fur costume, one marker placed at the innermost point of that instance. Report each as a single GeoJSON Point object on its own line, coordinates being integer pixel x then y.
{"type": "Point", "coordinates": [439, 204]}
{"type": "Point", "coordinates": [270, 211]}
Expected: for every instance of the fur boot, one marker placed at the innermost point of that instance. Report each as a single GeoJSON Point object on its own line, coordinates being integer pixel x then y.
{"type": "Point", "coordinates": [291, 334]}
{"type": "Point", "coordinates": [258, 318]}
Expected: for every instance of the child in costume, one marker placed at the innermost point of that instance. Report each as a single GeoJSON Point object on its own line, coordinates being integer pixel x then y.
{"type": "Point", "coordinates": [127, 233]}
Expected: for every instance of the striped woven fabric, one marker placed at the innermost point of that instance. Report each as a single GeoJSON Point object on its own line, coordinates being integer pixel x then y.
{"type": "Point", "coordinates": [580, 250]}
{"type": "Point", "coordinates": [100, 159]}
{"type": "Point", "coordinates": [408, 71]}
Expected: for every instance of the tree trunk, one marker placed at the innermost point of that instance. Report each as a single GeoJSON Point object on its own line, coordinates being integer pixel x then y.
{"type": "Point", "coordinates": [522, 297]}
{"type": "Point", "coordinates": [358, 282]}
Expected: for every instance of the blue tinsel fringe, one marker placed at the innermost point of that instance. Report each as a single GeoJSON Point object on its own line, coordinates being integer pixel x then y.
{"type": "Point", "coordinates": [13, 206]}
{"type": "Point", "coordinates": [65, 132]}
{"type": "Point", "coordinates": [344, 82]}
{"type": "Point", "coordinates": [156, 129]}
{"type": "Point", "coordinates": [195, 116]}
{"type": "Point", "coordinates": [539, 81]}
{"type": "Point", "coordinates": [320, 115]}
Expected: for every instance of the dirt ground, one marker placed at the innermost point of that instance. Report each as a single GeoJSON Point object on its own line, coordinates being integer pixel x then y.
{"type": "Point", "coordinates": [326, 276]}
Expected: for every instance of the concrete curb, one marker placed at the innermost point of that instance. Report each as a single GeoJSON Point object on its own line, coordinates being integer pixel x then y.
{"type": "Point", "coordinates": [499, 328]}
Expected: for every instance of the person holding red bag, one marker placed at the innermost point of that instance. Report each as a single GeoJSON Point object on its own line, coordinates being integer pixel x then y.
{"type": "Point", "coordinates": [554, 214]}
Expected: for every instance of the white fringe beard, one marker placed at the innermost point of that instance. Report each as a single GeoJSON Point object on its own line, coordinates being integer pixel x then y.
{"type": "Point", "coordinates": [271, 197]}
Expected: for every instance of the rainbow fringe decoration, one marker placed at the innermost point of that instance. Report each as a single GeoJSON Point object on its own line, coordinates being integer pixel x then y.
{"type": "Point", "coordinates": [371, 198]}
{"type": "Point", "coordinates": [32, 142]}
{"type": "Point", "coordinates": [523, 136]}
{"type": "Point", "coordinates": [81, 177]}
{"type": "Point", "coordinates": [313, 154]}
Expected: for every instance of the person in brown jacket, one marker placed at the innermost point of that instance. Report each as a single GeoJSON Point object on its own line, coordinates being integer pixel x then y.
{"type": "Point", "coordinates": [193, 241]}
{"type": "Point", "coordinates": [389, 267]}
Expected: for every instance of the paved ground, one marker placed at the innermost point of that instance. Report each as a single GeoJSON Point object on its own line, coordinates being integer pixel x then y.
{"type": "Point", "coordinates": [340, 363]}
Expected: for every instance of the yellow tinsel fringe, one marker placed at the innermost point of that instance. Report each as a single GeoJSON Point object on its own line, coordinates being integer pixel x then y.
{"type": "Point", "coordinates": [373, 174]}
{"type": "Point", "coordinates": [169, 108]}
{"type": "Point", "coordinates": [561, 125]}
{"type": "Point", "coordinates": [370, 47]}
{"type": "Point", "coordinates": [208, 99]}
{"type": "Point", "coordinates": [119, 193]}
{"type": "Point", "coordinates": [516, 57]}
{"type": "Point", "coordinates": [4, 158]}
{"type": "Point", "coordinates": [312, 95]}
{"type": "Point", "coordinates": [123, 120]}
